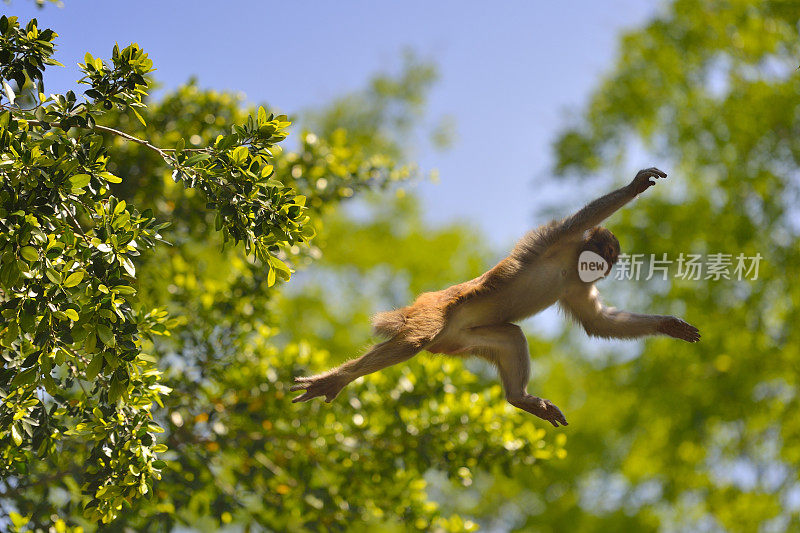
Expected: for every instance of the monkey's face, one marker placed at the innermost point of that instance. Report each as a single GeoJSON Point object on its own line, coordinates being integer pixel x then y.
{"type": "Point", "coordinates": [602, 242]}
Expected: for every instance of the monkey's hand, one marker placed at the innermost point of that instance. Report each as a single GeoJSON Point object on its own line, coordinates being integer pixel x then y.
{"type": "Point", "coordinates": [544, 409]}
{"type": "Point", "coordinates": [327, 385]}
{"type": "Point", "coordinates": [675, 327]}
{"type": "Point", "coordinates": [645, 179]}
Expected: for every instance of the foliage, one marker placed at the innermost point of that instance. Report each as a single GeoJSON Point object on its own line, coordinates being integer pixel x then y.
{"type": "Point", "coordinates": [693, 437]}
{"type": "Point", "coordinates": [671, 436]}
{"type": "Point", "coordinates": [101, 318]}
{"type": "Point", "coordinates": [72, 324]}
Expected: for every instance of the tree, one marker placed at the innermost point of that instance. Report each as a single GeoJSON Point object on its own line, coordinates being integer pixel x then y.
{"type": "Point", "coordinates": [72, 326]}
{"type": "Point", "coordinates": [108, 309]}
{"type": "Point", "coordinates": [694, 437]}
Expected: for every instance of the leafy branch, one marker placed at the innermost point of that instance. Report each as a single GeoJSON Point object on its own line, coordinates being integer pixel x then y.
{"type": "Point", "coordinates": [68, 290]}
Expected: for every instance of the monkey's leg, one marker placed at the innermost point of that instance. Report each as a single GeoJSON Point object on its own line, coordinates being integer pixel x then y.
{"type": "Point", "coordinates": [331, 382]}
{"type": "Point", "coordinates": [506, 346]}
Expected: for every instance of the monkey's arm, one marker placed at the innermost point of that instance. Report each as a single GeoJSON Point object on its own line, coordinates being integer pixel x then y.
{"type": "Point", "coordinates": [602, 208]}
{"type": "Point", "coordinates": [571, 229]}
{"type": "Point", "coordinates": [601, 321]}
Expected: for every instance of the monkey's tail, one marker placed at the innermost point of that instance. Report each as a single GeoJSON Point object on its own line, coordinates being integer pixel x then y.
{"type": "Point", "coordinates": [389, 323]}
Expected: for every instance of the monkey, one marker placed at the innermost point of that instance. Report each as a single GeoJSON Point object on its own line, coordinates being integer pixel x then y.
{"type": "Point", "coordinates": [478, 317]}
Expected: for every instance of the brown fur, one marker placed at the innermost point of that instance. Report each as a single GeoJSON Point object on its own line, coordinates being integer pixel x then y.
{"type": "Point", "coordinates": [476, 317]}
{"type": "Point", "coordinates": [602, 242]}
{"type": "Point", "coordinates": [421, 321]}
{"type": "Point", "coordinates": [426, 317]}
{"type": "Point", "coordinates": [389, 323]}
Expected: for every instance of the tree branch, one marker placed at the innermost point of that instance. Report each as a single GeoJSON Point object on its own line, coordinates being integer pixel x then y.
{"type": "Point", "coordinates": [161, 151]}
{"type": "Point", "coordinates": [124, 135]}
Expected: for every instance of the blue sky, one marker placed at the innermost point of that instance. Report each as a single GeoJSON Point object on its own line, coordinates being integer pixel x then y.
{"type": "Point", "coordinates": [510, 73]}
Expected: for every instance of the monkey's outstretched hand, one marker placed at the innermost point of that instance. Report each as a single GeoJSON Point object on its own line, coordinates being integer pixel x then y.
{"type": "Point", "coordinates": [643, 180]}
{"type": "Point", "coordinates": [675, 327]}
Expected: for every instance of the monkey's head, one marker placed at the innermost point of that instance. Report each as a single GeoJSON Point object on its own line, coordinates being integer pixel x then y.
{"type": "Point", "coordinates": [602, 242]}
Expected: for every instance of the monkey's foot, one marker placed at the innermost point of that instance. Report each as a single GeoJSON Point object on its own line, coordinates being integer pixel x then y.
{"type": "Point", "coordinates": [544, 409]}
{"type": "Point", "coordinates": [677, 328]}
{"type": "Point", "coordinates": [323, 385]}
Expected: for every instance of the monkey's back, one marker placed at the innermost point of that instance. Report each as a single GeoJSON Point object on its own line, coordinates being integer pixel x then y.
{"type": "Point", "coordinates": [476, 300]}
{"type": "Point", "coordinates": [424, 319]}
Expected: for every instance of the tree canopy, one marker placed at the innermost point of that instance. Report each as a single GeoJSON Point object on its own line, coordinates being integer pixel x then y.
{"type": "Point", "coordinates": [146, 365]}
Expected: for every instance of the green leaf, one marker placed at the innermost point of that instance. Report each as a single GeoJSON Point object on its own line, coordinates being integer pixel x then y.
{"type": "Point", "coordinates": [17, 519]}
{"type": "Point", "coordinates": [281, 268]}
{"type": "Point", "coordinates": [116, 388]}
{"type": "Point", "coordinates": [94, 367]}
{"type": "Point", "coordinates": [129, 267]}
{"type": "Point", "coordinates": [109, 177]}
{"type": "Point", "coordinates": [27, 320]}
{"type": "Point", "coordinates": [138, 116]}
{"type": "Point", "coordinates": [226, 141]}
{"type": "Point", "coordinates": [239, 155]}
{"type": "Point", "coordinates": [17, 437]}
{"type": "Point", "coordinates": [90, 343]}
{"type": "Point", "coordinates": [50, 385]}
{"type": "Point", "coordinates": [79, 181]}
{"type": "Point", "coordinates": [266, 171]}
{"type": "Point", "coordinates": [72, 314]}
{"type": "Point", "coordinates": [124, 289]}
{"type": "Point", "coordinates": [11, 334]}
{"type": "Point", "coordinates": [29, 253]}
{"type": "Point", "coordinates": [196, 158]}
{"type": "Point", "coordinates": [308, 231]}
{"type": "Point", "coordinates": [53, 275]}
{"type": "Point", "coordinates": [26, 377]}
{"type": "Point", "coordinates": [73, 279]}
{"type": "Point", "coordinates": [105, 334]}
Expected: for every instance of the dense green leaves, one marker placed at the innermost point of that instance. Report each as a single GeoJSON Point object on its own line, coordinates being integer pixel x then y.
{"type": "Point", "coordinates": [73, 325]}
{"type": "Point", "coordinates": [24, 54]}
{"type": "Point", "coordinates": [147, 384]}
